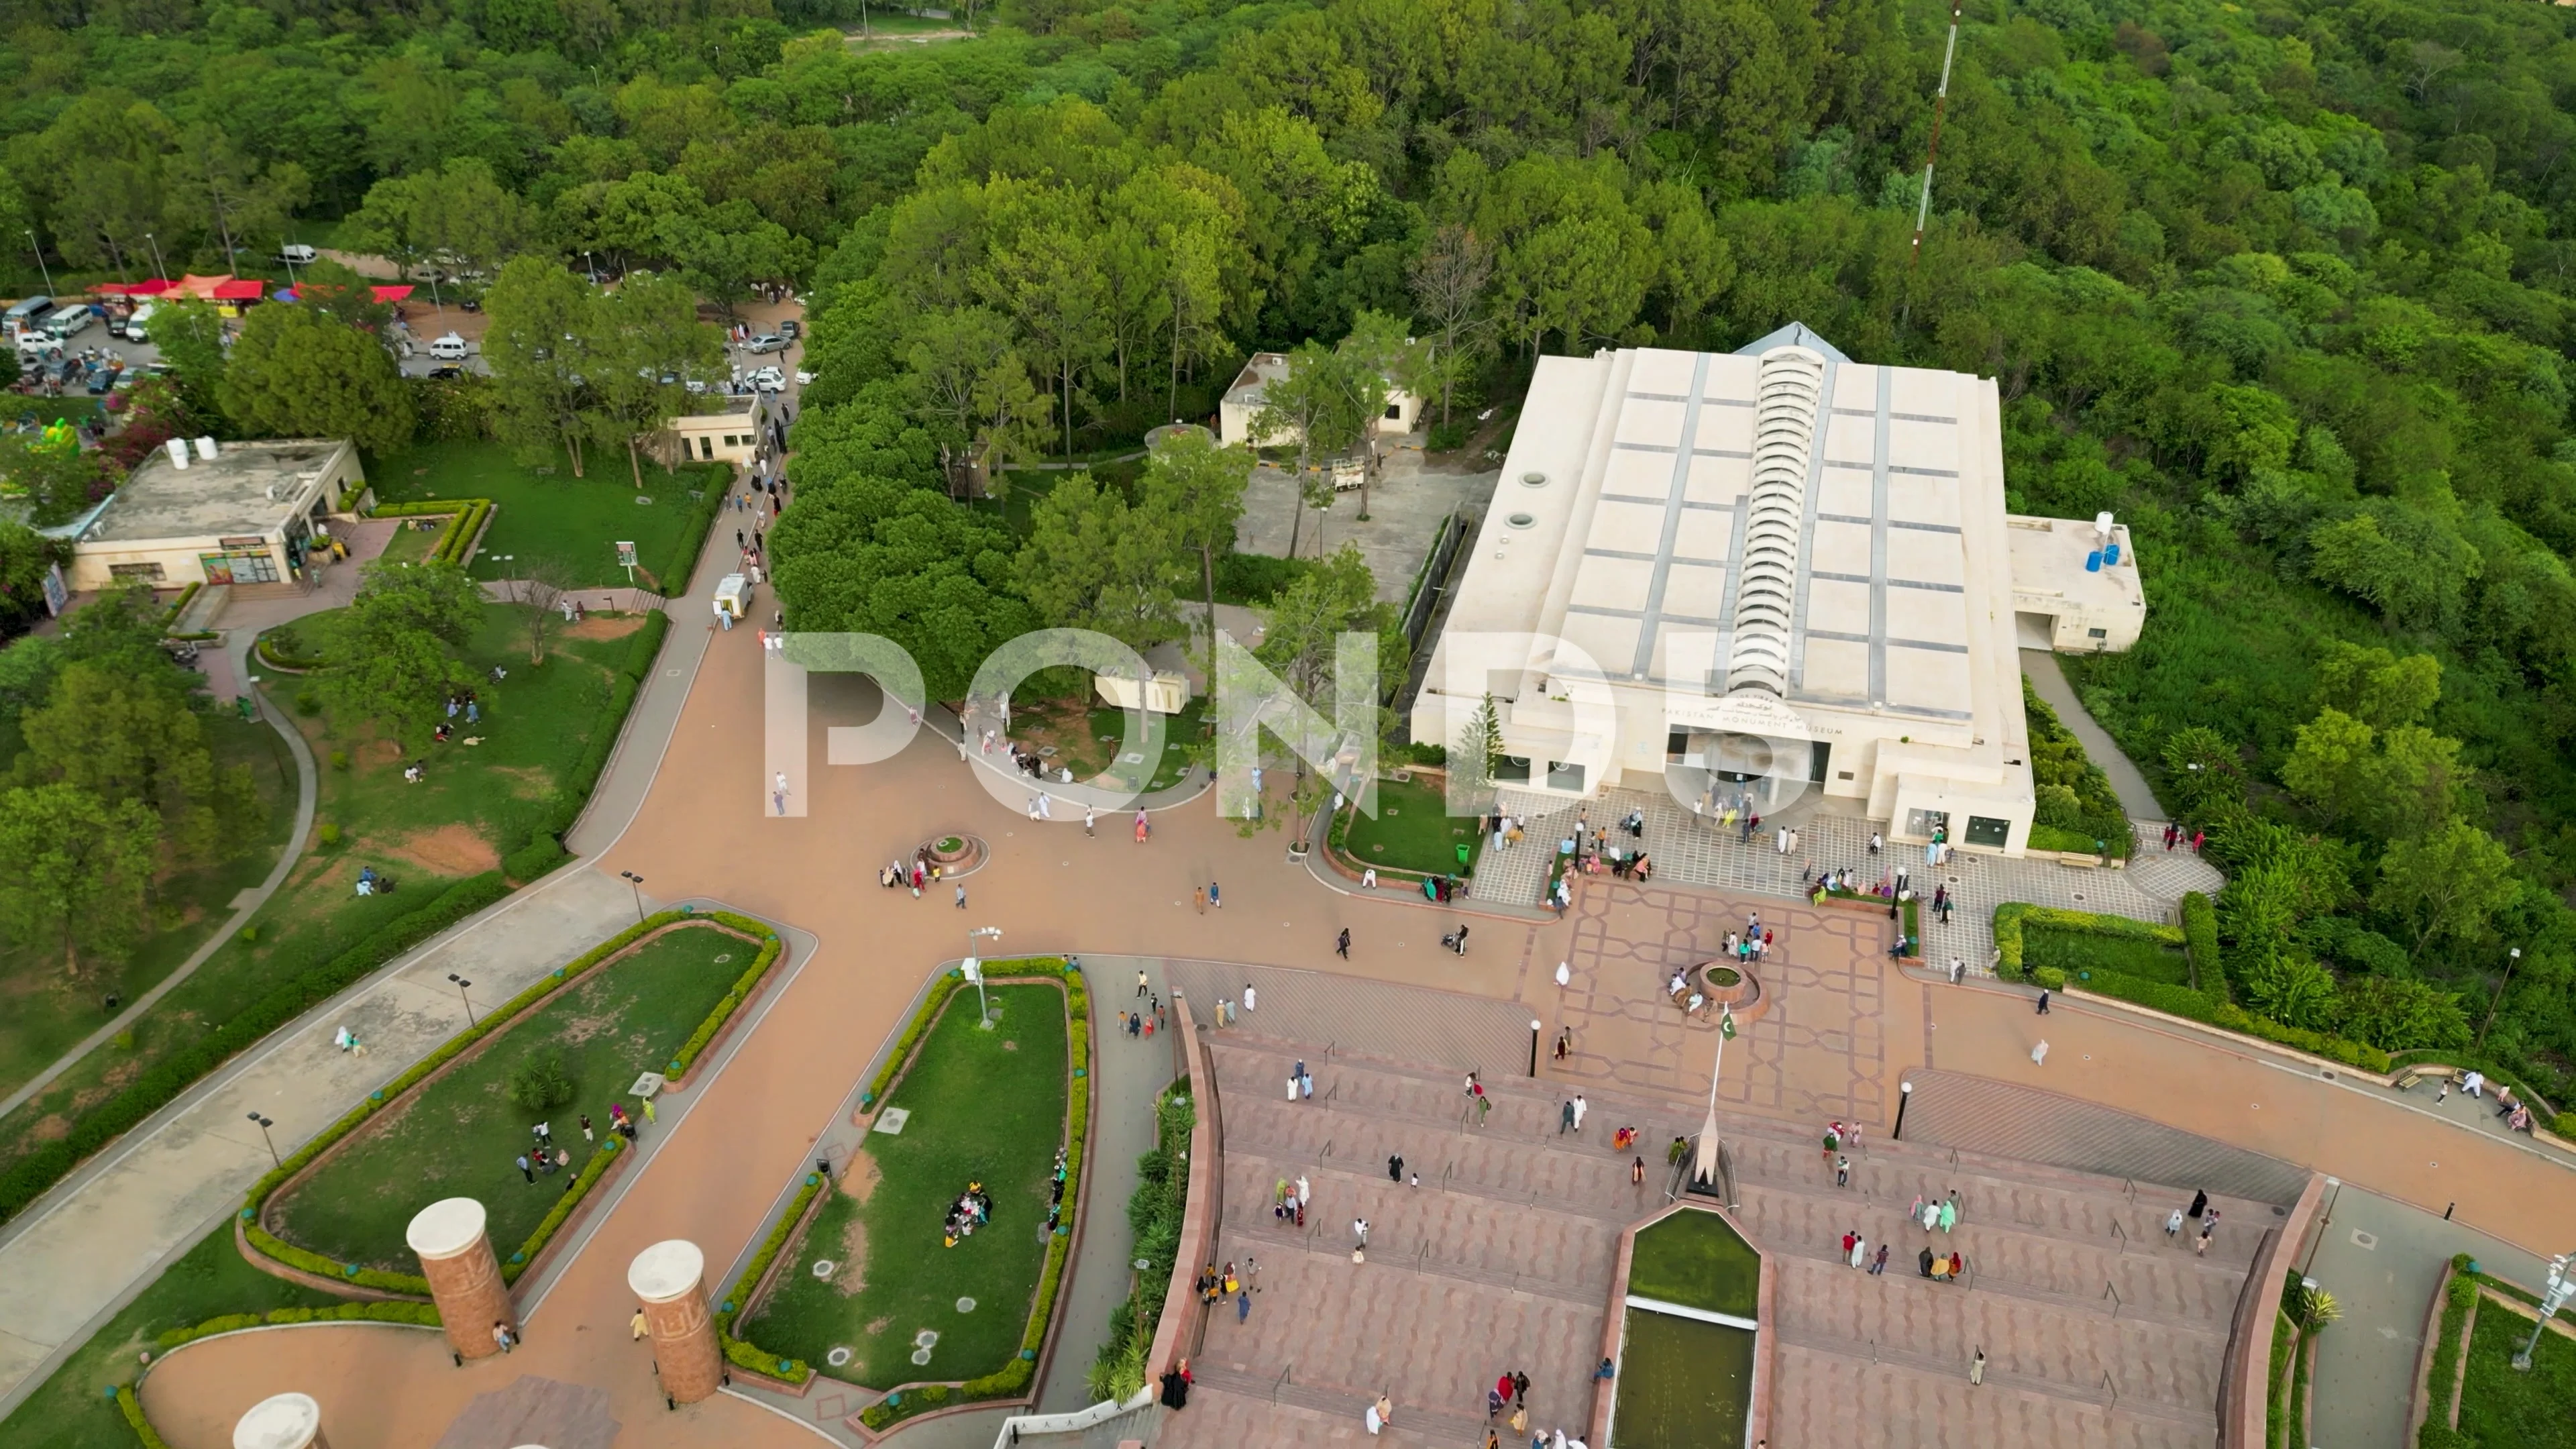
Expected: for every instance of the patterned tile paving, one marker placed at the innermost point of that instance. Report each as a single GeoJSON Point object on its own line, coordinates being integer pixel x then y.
{"type": "Point", "coordinates": [1978, 1115]}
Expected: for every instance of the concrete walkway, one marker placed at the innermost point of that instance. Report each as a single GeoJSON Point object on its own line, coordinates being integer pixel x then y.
{"type": "Point", "coordinates": [85, 1250]}
{"type": "Point", "coordinates": [2382, 1260]}
{"type": "Point", "coordinates": [2048, 681]}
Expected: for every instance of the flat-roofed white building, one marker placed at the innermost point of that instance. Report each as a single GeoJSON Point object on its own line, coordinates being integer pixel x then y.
{"type": "Point", "coordinates": [244, 514]}
{"type": "Point", "coordinates": [1773, 571]}
{"type": "Point", "coordinates": [1243, 402]}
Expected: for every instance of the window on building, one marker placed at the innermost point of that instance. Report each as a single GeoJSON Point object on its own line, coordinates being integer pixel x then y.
{"type": "Point", "coordinates": [2097, 633]}
{"type": "Point", "coordinates": [1986, 830]}
{"type": "Point", "coordinates": [1514, 770]}
{"type": "Point", "coordinates": [1820, 754]}
{"type": "Point", "coordinates": [706, 448]}
{"type": "Point", "coordinates": [1395, 412]}
{"type": "Point", "coordinates": [1564, 776]}
{"type": "Point", "coordinates": [1676, 745]}
{"type": "Point", "coordinates": [148, 572]}
{"type": "Point", "coordinates": [1920, 824]}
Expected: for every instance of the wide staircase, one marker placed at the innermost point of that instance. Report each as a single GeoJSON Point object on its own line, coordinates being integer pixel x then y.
{"type": "Point", "coordinates": [2097, 1329]}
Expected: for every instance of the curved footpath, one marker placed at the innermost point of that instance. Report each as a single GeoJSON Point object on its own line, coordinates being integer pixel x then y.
{"type": "Point", "coordinates": [78, 1255]}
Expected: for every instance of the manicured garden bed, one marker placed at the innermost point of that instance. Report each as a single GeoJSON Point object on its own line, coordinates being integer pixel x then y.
{"type": "Point", "coordinates": [985, 1106]}
{"type": "Point", "coordinates": [2498, 1408]}
{"type": "Point", "coordinates": [2081, 953]}
{"type": "Point", "coordinates": [1413, 832]}
{"type": "Point", "coordinates": [459, 1134]}
{"type": "Point", "coordinates": [1154, 1211]}
{"type": "Point", "coordinates": [576, 522]}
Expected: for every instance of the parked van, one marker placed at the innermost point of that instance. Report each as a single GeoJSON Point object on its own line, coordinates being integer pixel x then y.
{"type": "Point", "coordinates": [26, 315]}
{"type": "Point", "coordinates": [135, 328]}
{"type": "Point", "coordinates": [66, 323]}
{"type": "Point", "coordinates": [298, 253]}
{"type": "Point", "coordinates": [450, 348]}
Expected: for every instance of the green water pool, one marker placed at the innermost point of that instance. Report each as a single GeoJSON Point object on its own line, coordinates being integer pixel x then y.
{"type": "Point", "coordinates": [1694, 1259]}
{"type": "Point", "coordinates": [1683, 1384]}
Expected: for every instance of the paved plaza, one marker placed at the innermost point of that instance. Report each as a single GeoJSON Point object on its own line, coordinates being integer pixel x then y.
{"type": "Point", "coordinates": [1508, 1228]}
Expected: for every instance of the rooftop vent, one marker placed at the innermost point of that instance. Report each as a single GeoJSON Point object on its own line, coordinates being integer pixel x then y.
{"type": "Point", "coordinates": [1788, 388]}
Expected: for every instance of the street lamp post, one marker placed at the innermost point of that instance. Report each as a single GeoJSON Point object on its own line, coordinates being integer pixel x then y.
{"type": "Point", "coordinates": [461, 984]}
{"type": "Point", "coordinates": [1535, 1028]}
{"type": "Point", "coordinates": [283, 257]}
{"type": "Point", "coordinates": [2562, 1286]}
{"type": "Point", "coordinates": [2513, 958]}
{"type": "Point", "coordinates": [160, 268]}
{"type": "Point", "coordinates": [592, 267]}
{"type": "Point", "coordinates": [635, 883]}
{"type": "Point", "coordinates": [975, 972]}
{"type": "Point", "coordinates": [276, 1161]}
{"type": "Point", "coordinates": [39, 249]}
{"type": "Point", "coordinates": [1904, 1094]}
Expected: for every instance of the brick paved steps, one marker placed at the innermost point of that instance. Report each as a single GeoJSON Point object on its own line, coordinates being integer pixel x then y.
{"type": "Point", "coordinates": [2146, 1361]}
{"type": "Point", "coordinates": [1850, 1401]}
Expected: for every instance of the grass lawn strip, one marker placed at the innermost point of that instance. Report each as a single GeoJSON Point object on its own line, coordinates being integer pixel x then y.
{"type": "Point", "coordinates": [573, 1010]}
{"type": "Point", "coordinates": [1413, 834]}
{"type": "Point", "coordinates": [457, 1134]}
{"type": "Point", "coordinates": [2502, 1409]}
{"type": "Point", "coordinates": [576, 523]}
{"type": "Point", "coordinates": [986, 1106]}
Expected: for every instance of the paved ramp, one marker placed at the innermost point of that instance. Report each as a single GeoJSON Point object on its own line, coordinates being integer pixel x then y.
{"type": "Point", "coordinates": [1976, 1114]}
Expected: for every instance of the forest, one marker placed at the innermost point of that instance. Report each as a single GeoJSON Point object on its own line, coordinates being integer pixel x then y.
{"type": "Point", "coordinates": [2286, 284]}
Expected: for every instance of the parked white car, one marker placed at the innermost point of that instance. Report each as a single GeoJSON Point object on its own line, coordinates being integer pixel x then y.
{"type": "Point", "coordinates": [769, 379]}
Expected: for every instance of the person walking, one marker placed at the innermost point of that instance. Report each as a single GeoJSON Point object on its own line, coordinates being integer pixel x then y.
{"type": "Point", "coordinates": [1342, 944]}
{"type": "Point", "coordinates": [1580, 1107]}
{"type": "Point", "coordinates": [2173, 1225]}
{"type": "Point", "coordinates": [1214, 899]}
{"type": "Point", "coordinates": [1565, 1118]}
{"type": "Point", "coordinates": [648, 1110]}
{"type": "Point", "coordinates": [635, 1325]}
{"type": "Point", "coordinates": [586, 1134]}
{"type": "Point", "coordinates": [1248, 997]}
{"type": "Point", "coordinates": [1395, 1167]}
{"type": "Point", "coordinates": [1359, 1230]}
{"type": "Point", "coordinates": [961, 895]}
{"type": "Point", "coordinates": [526, 1171]}
{"type": "Point", "coordinates": [1950, 1211]}
{"type": "Point", "coordinates": [1859, 1250]}
{"type": "Point", "coordinates": [1637, 1172]}
{"type": "Point", "coordinates": [1977, 1368]}
{"type": "Point", "coordinates": [2208, 1226]}
{"type": "Point", "coordinates": [1842, 1171]}
{"type": "Point", "coordinates": [1242, 1304]}
{"type": "Point", "coordinates": [1200, 899]}
{"type": "Point", "coordinates": [2043, 1001]}
{"type": "Point", "coordinates": [1141, 988]}
{"type": "Point", "coordinates": [2039, 1055]}
{"type": "Point", "coordinates": [2199, 1205]}
{"type": "Point", "coordinates": [1878, 1265]}
{"type": "Point", "coordinates": [1460, 949]}
{"type": "Point", "coordinates": [1089, 815]}
{"type": "Point", "coordinates": [503, 1337]}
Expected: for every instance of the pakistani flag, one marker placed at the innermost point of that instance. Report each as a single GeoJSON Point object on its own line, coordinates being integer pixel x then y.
{"type": "Point", "coordinates": [1726, 1023]}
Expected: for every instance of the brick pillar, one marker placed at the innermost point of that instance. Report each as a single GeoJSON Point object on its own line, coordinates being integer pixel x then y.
{"type": "Point", "coordinates": [464, 1277]}
{"type": "Point", "coordinates": [287, 1421]}
{"type": "Point", "coordinates": [668, 1278]}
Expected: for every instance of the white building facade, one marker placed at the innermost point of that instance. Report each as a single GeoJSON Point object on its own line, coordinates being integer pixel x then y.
{"type": "Point", "coordinates": [1774, 572]}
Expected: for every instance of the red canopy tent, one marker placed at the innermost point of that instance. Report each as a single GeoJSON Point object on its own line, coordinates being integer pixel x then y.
{"type": "Point", "coordinates": [239, 289]}
{"type": "Point", "coordinates": [391, 294]}
{"type": "Point", "coordinates": [152, 288]}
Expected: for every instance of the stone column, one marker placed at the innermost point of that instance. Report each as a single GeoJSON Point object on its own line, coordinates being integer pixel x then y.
{"type": "Point", "coordinates": [287, 1421]}
{"type": "Point", "coordinates": [464, 1277]}
{"type": "Point", "coordinates": [668, 1278]}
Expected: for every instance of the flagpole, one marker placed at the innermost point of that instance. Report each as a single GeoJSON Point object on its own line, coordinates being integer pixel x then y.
{"type": "Point", "coordinates": [1704, 1168]}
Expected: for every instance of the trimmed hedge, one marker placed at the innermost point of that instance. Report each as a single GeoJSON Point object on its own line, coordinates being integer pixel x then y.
{"type": "Point", "coordinates": [2012, 916]}
{"type": "Point", "coordinates": [751, 1356]}
{"type": "Point", "coordinates": [713, 491]}
{"type": "Point", "coordinates": [414, 1313]}
{"type": "Point", "coordinates": [132, 1409]}
{"type": "Point", "coordinates": [179, 605]}
{"type": "Point", "coordinates": [591, 1171]}
{"type": "Point", "coordinates": [299, 989]}
{"type": "Point", "coordinates": [464, 519]}
{"type": "Point", "coordinates": [1012, 1379]}
{"type": "Point", "coordinates": [1913, 917]}
{"type": "Point", "coordinates": [2200, 944]}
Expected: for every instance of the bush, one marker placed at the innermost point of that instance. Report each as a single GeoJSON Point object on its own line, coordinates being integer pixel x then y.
{"type": "Point", "coordinates": [2199, 1006]}
{"type": "Point", "coordinates": [132, 1409]}
{"type": "Point", "coordinates": [452, 410]}
{"type": "Point", "coordinates": [713, 485]}
{"type": "Point", "coordinates": [249, 935]}
{"type": "Point", "coordinates": [1254, 578]}
{"type": "Point", "coordinates": [326, 835]}
{"type": "Point", "coordinates": [339, 759]}
{"type": "Point", "coordinates": [300, 987]}
{"type": "Point", "coordinates": [2012, 917]}
{"type": "Point", "coordinates": [2200, 944]}
{"type": "Point", "coordinates": [534, 859]}
{"type": "Point", "coordinates": [540, 1083]}
{"type": "Point", "coordinates": [2049, 978]}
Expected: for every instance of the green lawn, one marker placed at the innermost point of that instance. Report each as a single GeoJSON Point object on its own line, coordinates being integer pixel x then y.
{"type": "Point", "coordinates": [1683, 1384]}
{"type": "Point", "coordinates": [72, 1411]}
{"type": "Point", "coordinates": [578, 522]}
{"type": "Point", "coordinates": [987, 1106]}
{"type": "Point", "coordinates": [44, 1012]}
{"type": "Point", "coordinates": [1087, 735]}
{"type": "Point", "coordinates": [2078, 951]}
{"type": "Point", "coordinates": [1696, 1260]}
{"type": "Point", "coordinates": [460, 1132]}
{"type": "Point", "coordinates": [475, 804]}
{"type": "Point", "coordinates": [2501, 1409]}
{"type": "Point", "coordinates": [1413, 831]}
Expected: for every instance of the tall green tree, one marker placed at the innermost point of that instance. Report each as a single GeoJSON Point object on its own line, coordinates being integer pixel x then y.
{"type": "Point", "coordinates": [1093, 562]}
{"type": "Point", "coordinates": [970, 384]}
{"type": "Point", "coordinates": [2446, 885]}
{"type": "Point", "coordinates": [545, 323]}
{"type": "Point", "coordinates": [121, 738]}
{"type": "Point", "coordinates": [648, 331]}
{"type": "Point", "coordinates": [74, 872]}
{"type": "Point", "coordinates": [299, 373]}
{"type": "Point", "coordinates": [1197, 486]}
{"type": "Point", "coordinates": [1048, 281]}
{"type": "Point", "coordinates": [391, 656]}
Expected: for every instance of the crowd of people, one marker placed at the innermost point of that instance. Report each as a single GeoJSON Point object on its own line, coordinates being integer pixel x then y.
{"type": "Point", "coordinates": [972, 1209]}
